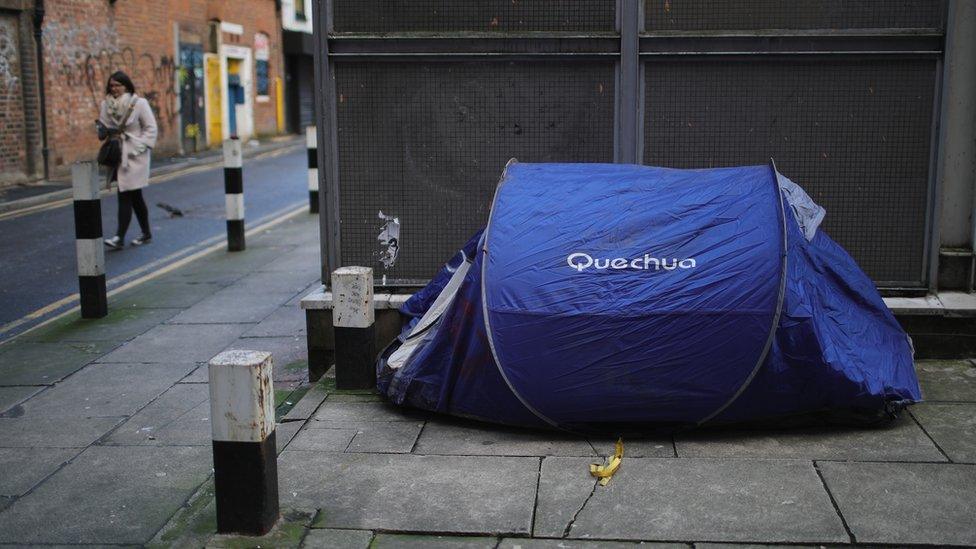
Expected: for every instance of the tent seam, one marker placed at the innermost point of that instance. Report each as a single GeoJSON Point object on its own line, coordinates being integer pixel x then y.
{"type": "Point", "coordinates": [779, 302]}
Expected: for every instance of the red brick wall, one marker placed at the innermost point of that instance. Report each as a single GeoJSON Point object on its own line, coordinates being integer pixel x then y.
{"type": "Point", "coordinates": [86, 40]}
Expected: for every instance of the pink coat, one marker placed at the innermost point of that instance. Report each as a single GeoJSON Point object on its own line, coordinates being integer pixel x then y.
{"type": "Point", "coordinates": [140, 128]}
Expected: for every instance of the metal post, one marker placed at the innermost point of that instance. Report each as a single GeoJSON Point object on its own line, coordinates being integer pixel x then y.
{"type": "Point", "coordinates": [628, 123]}
{"type": "Point", "coordinates": [244, 450]}
{"type": "Point", "coordinates": [88, 240]}
{"type": "Point", "coordinates": [234, 191]}
{"type": "Point", "coordinates": [353, 319]}
{"type": "Point", "coordinates": [311, 142]}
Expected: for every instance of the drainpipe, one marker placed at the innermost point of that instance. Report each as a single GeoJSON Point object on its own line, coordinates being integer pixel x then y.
{"type": "Point", "coordinates": [39, 43]}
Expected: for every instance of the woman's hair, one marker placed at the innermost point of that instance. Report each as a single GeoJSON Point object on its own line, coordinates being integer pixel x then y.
{"type": "Point", "coordinates": [121, 78]}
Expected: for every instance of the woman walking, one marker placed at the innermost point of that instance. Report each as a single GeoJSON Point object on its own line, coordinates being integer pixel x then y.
{"type": "Point", "coordinates": [128, 118]}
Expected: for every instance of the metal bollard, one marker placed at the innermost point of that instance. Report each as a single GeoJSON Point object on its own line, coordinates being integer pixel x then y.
{"type": "Point", "coordinates": [88, 240]}
{"type": "Point", "coordinates": [353, 319]}
{"type": "Point", "coordinates": [311, 142]}
{"type": "Point", "coordinates": [234, 194]}
{"type": "Point", "coordinates": [244, 451]}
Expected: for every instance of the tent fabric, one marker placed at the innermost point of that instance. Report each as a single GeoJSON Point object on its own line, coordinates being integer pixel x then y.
{"type": "Point", "coordinates": [603, 295]}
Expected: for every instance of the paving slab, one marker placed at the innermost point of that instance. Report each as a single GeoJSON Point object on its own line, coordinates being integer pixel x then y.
{"type": "Point", "coordinates": [448, 437]}
{"type": "Point", "coordinates": [308, 403]}
{"type": "Point", "coordinates": [284, 282]}
{"type": "Point", "coordinates": [171, 343]}
{"type": "Point", "coordinates": [564, 487]}
{"type": "Point", "coordinates": [297, 300]}
{"type": "Point", "coordinates": [43, 432]}
{"type": "Point", "coordinates": [952, 426]}
{"type": "Point", "coordinates": [902, 440]}
{"type": "Point", "coordinates": [947, 380]}
{"type": "Point", "coordinates": [324, 440]}
{"type": "Point", "coordinates": [169, 293]}
{"type": "Point", "coordinates": [778, 501]}
{"type": "Point", "coordinates": [288, 320]}
{"type": "Point", "coordinates": [23, 468]}
{"type": "Point", "coordinates": [408, 541]}
{"type": "Point", "coordinates": [121, 324]}
{"type": "Point", "coordinates": [290, 354]}
{"type": "Point", "coordinates": [199, 375]}
{"type": "Point", "coordinates": [330, 538]}
{"type": "Point", "coordinates": [180, 416]}
{"type": "Point", "coordinates": [232, 305]}
{"type": "Point", "coordinates": [24, 362]}
{"type": "Point", "coordinates": [520, 543]}
{"type": "Point", "coordinates": [354, 413]}
{"type": "Point", "coordinates": [240, 264]}
{"type": "Point", "coordinates": [410, 493]}
{"type": "Point", "coordinates": [116, 495]}
{"type": "Point", "coordinates": [396, 437]}
{"type": "Point", "coordinates": [304, 259]}
{"type": "Point", "coordinates": [901, 503]}
{"type": "Point", "coordinates": [285, 433]}
{"type": "Point", "coordinates": [106, 390]}
{"type": "Point", "coordinates": [658, 446]}
{"type": "Point", "coordinates": [12, 396]}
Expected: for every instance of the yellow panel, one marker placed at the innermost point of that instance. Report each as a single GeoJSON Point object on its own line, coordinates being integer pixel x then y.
{"type": "Point", "coordinates": [280, 104]}
{"type": "Point", "coordinates": [215, 108]}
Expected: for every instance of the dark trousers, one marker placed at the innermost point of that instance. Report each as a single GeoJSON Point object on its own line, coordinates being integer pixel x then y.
{"type": "Point", "coordinates": [128, 201]}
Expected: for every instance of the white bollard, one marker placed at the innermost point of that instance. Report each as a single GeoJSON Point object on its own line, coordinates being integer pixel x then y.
{"type": "Point", "coordinates": [234, 194]}
{"type": "Point", "coordinates": [244, 450]}
{"type": "Point", "coordinates": [353, 321]}
{"type": "Point", "coordinates": [88, 240]}
{"type": "Point", "coordinates": [311, 143]}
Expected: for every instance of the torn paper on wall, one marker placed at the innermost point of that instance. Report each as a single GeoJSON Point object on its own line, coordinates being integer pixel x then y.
{"type": "Point", "coordinates": [389, 239]}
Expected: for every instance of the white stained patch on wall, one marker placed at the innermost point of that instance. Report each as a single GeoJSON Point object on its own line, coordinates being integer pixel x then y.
{"type": "Point", "coordinates": [389, 240]}
{"type": "Point", "coordinates": [8, 55]}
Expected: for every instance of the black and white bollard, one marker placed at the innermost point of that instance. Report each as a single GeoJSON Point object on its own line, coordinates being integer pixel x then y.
{"type": "Point", "coordinates": [85, 182]}
{"type": "Point", "coordinates": [234, 192]}
{"type": "Point", "coordinates": [311, 142]}
{"type": "Point", "coordinates": [244, 454]}
{"type": "Point", "coordinates": [354, 327]}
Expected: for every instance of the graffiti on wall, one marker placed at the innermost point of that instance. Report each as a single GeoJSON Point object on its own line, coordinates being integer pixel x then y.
{"type": "Point", "coordinates": [84, 55]}
{"type": "Point", "coordinates": [8, 55]}
{"type": "Point", "coordinates": [154, 77]}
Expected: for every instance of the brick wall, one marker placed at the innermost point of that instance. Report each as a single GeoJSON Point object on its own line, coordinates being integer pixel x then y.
{"type": "Point", "coordinates": [86, 40]}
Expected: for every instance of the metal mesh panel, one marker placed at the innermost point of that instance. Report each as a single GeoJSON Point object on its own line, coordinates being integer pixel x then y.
{"type": "Point", "coordinates": [855, 134]}
{"type": "Point", "coordinates": [427, 142]}
{"type": "Point", "coordinates": [374, 16]}
{"type": "Point", "coordinates": [792, 14]}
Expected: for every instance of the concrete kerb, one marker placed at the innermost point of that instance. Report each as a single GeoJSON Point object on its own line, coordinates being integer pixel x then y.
{"type": "Point", "coordinates": [161, 174]}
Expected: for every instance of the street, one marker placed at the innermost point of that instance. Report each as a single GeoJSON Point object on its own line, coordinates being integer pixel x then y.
{"type": "Point", "coordinates": [38, 249]}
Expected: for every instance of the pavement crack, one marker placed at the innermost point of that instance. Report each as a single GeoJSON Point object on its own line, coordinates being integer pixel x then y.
{"type": "Point", "coordinates": [930, 437]}
{"type": "Point", "coordinates": [535, 504]}
{"type": "Point", "coordinates": [823, 482]}
{"type": "Point", "coordinates": [580, 510]}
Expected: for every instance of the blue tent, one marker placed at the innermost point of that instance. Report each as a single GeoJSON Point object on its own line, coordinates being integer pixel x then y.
{"type": "Point", "coordinates": [609, 294]}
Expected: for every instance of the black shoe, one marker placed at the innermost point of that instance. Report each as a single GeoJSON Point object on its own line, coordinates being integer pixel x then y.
{"type": "Point", "coordinates": [144, 239]}
{"type": "Point", "coordinates": [114, 243]}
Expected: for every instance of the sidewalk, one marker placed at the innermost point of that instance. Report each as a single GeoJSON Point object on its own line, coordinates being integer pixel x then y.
{"type": "Point", "coordinates": [18, 197]}
{"type": "Point", "coordinates": [105, 440]}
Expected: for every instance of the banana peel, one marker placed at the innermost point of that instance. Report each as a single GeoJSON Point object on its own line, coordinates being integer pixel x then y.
{"type": "Point", "coordinates": [605, 472]}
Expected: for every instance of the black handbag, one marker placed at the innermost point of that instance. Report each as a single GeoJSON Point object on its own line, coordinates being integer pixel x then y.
{"type": "Point", "coordinates": [110, 153]}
